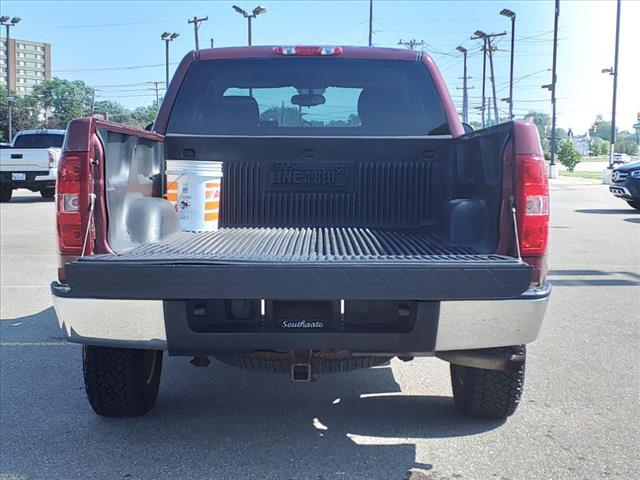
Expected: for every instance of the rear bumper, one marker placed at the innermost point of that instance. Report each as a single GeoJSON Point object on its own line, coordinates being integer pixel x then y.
{"type": "Point", "coordinates": [440, 326]}
{"type": "Point", "coordinates": [34, 180]}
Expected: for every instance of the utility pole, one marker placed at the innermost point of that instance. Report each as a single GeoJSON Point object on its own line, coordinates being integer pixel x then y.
{"type": "Point", "coordinates": [465, 96]}
{"type": "Point", "coordinates": [488, 50]}
{"type": "Point", "coordinates": [615, 89]}
{"type": "Point", "coordinates": [212, 43]}
{"type": "Point", "coordinates": [196, 26]}
{"type": "Point", "coordinates": [489, 111]}
{"type": "Point", "coordinates": [412, 44]}
{"type": "Point", "coordinates": [552, 87]}
{"type": "Point", "coordinates": [4, 20]}
{"type": "Point", "coordinates": [484, 77]}
{"type": "Point", "coordinates": [155, 84]}
{"type": "Point", "coordinates": [510, 14]}
{"type": "Point", "coordinates": [493, 81]}
{"type": "Point", "coordinates": [167, 37]}
{"type": "Point", "coordinates": [93, 100]}
{"type": "Point", "coordinates": [370, 23]}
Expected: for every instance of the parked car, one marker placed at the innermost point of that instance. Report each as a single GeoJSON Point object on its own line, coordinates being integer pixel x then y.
{"type": "Point", "coordinates": [357, 222]}
{"type": "Point", "coordinates": [626, 183]}
{"type": "Point", "coordinates": [31, 162]}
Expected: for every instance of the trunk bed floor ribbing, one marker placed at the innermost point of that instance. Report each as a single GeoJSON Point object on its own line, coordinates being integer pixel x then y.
{"type": "Point", "coordinates": [293, 245]}
{"type": "Point", "coordinates": [299, 263]}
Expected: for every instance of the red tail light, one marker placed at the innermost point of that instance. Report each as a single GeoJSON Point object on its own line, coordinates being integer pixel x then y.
{"type": "Point", "coordinates": [532, 205]}
{"type": "Point", "coordinates": [72, 202]}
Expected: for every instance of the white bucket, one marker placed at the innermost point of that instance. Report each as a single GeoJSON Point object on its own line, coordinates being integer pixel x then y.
{"type": "Point", "coordinates": [194, 188]}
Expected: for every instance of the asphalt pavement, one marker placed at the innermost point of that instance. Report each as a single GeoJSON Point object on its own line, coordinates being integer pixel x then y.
{"type": "Point", "coordinates": [579, 418]}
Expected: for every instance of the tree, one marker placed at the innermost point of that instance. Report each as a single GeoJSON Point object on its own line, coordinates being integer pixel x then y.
{"type": "Point", "coordinates": [626, 143]}
{"type": "Point", "coordinates": [598, 147]}
{"type": "Point", "coordinates": [113, 111]}
{"type": "Point", "coordinates": [25, 114]}
{"type": "Point", "coordinates": [66, 99]}
{"type": "Point", "coordinates": [568, 155]}
{"type": "Point", "coordinates": [285, 116]}
{"type": "Point", "coordinates": [542, 122]}
{"type": "Point", "coordinates": [143, 116]}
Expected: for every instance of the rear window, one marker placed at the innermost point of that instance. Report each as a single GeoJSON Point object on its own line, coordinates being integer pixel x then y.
{"type": "Point", "coordinates": [39, 140]}
{"type": "Point", "coordinates": [308, 97]}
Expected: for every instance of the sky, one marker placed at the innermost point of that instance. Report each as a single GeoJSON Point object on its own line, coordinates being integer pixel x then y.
{"type": "Point", "coordinates": [115, 46]}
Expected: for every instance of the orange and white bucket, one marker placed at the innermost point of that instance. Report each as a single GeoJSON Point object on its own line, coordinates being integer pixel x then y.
{"type": "Point", "coordinates": [195, 188]}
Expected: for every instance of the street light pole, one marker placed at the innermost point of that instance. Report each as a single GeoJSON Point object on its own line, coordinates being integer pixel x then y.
{"type": "Point", "coordinates": [370, 23]}
{"type": "Point", "coordinates": [554, 79]}
{"type": "Point", "coordinates": [259, 10]}
{"type": "Point", "coordinates": [168, 37]}
{"type": "Point", "coordinates": [510, 14]}
{"type": "Point", "coordinates": [615, 89]}
{"type": "Point", "coordinates": [4, 20]}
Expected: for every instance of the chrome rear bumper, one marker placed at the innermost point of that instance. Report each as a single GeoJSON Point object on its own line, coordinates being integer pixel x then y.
{"type": "Point", "coordinates": [468, 324]}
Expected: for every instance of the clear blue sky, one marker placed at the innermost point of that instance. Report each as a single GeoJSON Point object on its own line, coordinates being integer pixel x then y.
{"type": "Point", "coordinates": [116, 47]}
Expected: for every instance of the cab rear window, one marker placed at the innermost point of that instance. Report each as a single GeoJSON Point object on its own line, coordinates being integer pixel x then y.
{"type": "Point", "coordinates": [39, 140]}
{"type": "Point", "coordinates": [308, 97]}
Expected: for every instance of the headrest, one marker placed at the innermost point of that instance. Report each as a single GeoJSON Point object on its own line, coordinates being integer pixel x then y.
{"type": "Point", "coordinates": [382, 107]}
{"type": "Point", "coordinates": [233, 114]}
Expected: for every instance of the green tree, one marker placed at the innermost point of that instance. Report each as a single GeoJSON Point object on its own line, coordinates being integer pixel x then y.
{"type": "Point", "coordinates": [24, 115]}
{"type": "Point", "coordinates": [66, 99]}
{"type": "Point", "coordinates": [285, 116]}
{"type": "Point", "coordinates": [626, 143]}
{"type": "Point", "coordinates": [543, 123]}
{"type": "Point", "coordinates": [599, 147]}
{"type": "Point", "coordinates": [601, 129]}
{"type": "Point", "coordinates": [143, 116]}
{"type": "Point", "coordinates": [568, 155]}
{"type": "Point", "coordinates": [114, 111]}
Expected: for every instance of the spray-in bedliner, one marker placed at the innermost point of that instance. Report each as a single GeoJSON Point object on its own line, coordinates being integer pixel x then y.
{"type": "Point", "coordinates": [299, 263]}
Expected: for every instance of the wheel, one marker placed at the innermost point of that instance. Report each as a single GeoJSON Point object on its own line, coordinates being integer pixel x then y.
{"type": "Point", "coordinates": [634, 203]}
{"type": "Point", "coordinates": [5, 194]}
{"type": "Point", "coordinates": [480, 393]}
{"type": "Point", "coordinates": [48, 193]}
{"type": "Point", "coordinates": [121, 382]}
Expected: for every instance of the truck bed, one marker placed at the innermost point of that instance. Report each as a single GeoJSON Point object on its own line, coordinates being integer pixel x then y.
{"type": "Point", "coordinates": [300, 263]}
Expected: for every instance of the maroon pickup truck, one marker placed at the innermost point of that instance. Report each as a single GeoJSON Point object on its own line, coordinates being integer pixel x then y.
{"type": "Point", "coordinates": [356, 222]}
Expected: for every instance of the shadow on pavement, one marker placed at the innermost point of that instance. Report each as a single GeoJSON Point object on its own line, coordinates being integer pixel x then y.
{"type": "Point", "coordinates": [607, 211]}
{"type": "Point", "coordinates": [632, 220]}
{"type": "Point", "coordinates": [579, 279]}
{"type": "Point", "coordinates": [217, 422]}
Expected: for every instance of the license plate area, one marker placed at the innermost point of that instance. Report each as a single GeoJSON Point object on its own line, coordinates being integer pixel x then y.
{"type": "Point", "coordinates": [301, 316]}
{"type": "Point", "coordinates": [18, 177]}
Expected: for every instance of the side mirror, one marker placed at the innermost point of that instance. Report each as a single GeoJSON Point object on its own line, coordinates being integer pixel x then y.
{"type": "Point", "coordinates": [467, 128]}
{"type": "Point", "coordinates": [308, 100]}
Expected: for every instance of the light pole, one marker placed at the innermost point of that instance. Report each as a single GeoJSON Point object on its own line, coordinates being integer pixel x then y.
{"type": "Point", "coordinates": [553, 172]}
{"type": "Point", "coordinates": [259, 10]}
{"type": "Point", "coordinates": [615, 89]}
{"type": "Point", "coordinates": [167, 37]}
{"type": "Point", "coordinates": [510, 14]}
{"type": "Point", "coordinates": [465, 98]}
{"type": "Point", "coordinates": [4, 20]}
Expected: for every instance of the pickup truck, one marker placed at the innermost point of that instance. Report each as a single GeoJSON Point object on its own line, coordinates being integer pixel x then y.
{"type": "Point", "coordinates": [31, 162]}
{"type": "Point", "coordinates": [358, 222]}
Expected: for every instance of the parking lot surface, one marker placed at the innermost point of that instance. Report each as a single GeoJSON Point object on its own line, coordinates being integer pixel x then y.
{"type": "Point", "coordinates": [579, 418]}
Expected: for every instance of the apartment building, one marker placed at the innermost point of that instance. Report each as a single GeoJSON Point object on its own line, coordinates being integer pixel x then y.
{"type": "Point", "coordinates": [29, 64]}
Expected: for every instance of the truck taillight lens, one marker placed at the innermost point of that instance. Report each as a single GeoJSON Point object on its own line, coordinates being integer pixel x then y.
{"type": "Point", "coordinates": [532, 205]}
{"type": "Point", "coordinates": [70, 202]}
{"type": "Point", "coordinates": [52, 160]}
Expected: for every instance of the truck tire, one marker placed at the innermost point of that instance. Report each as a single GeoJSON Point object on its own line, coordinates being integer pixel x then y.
{"type": "Point", "coordinates": [5, 194]}
{"type": "Point", "coordinates": [492, 394]}
{"type": "Point", "coordinates": [634, 204]}
{"type": "Point", "coordinates": [121, 382]}
{"type": "Point", "coordinates": [48, 193]}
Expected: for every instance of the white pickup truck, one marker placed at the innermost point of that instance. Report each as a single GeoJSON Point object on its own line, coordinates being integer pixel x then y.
{"type": "Point", "coordinates": [31, 162]}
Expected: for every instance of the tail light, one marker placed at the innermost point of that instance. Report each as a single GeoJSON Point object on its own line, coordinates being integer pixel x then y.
{"type": "Point", "coordinates": [308, 51]}
{"type": "Point", "coordinates": [532, 205]}
{"type": "Point", "coordinates": [52, 160]}
{"type": "Point", "coordinates": [72, 189]}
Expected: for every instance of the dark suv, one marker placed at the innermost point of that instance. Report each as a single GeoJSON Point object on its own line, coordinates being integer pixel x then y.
{"type": "Point", "coordinates": [626, 183]}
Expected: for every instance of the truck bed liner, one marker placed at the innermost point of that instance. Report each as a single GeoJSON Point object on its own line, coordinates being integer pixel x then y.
{"type": "Point", "coordinates": [299, 263]}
